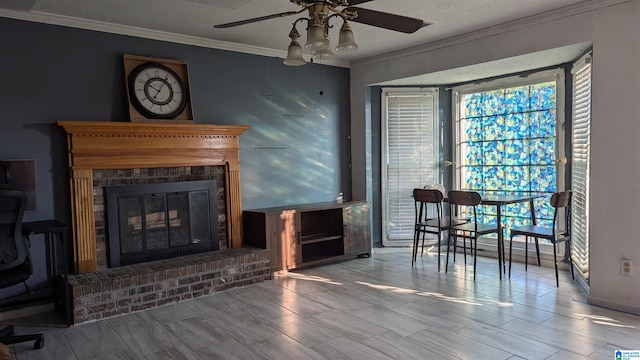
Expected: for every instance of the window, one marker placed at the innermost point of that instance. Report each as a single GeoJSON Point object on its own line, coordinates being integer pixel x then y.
{"type": "Point", "coordinates": [580, 172]}
{"type": "Point", "coordinates": [409, 157]}
{"type": "Point", "coordinates": [508, 140]}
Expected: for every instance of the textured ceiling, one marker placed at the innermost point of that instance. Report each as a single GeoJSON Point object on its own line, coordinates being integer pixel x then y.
{"type": "Point", "coordinates": [196, 18]}
{"type": "Point", "coordinates": [192, 22]}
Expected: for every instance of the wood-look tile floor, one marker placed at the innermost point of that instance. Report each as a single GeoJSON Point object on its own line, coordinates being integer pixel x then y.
{"type": "Point", "coordinates": [368, 308]}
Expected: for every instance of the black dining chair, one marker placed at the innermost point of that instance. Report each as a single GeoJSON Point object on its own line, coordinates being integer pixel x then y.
{"type": "Point", "coordinates": [428, 219]}
{"type": "Point", "coordinates": [15, 256]}
{"type": "Point", "coordinates": [462, 202]}
{"type": "Point", "coordinates": [556, 234]}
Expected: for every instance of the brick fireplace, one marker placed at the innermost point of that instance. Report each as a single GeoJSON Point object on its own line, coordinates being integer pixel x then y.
{"type": "Point", "coordinates": [107, 178]}
{"type": "Point", "coordinates": [116, 153]}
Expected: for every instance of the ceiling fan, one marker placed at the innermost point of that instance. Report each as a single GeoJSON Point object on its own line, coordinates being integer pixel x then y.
{"type": "Point", "coordinates": [320, 12]}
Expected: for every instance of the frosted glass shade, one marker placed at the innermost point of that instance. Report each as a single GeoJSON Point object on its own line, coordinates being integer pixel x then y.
{"type": "Point", "coordinates": [316, 39]}
{"type": "Point", "coordinates": [294, 55]}
{"type": "Point", "coordinates": [325, 54]}
{"type": "Point", "coordinates": [346, 42]}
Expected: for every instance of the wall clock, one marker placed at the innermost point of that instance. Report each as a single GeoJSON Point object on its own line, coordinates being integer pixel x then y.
{"type": "Point", "coordinates": [157, 89]}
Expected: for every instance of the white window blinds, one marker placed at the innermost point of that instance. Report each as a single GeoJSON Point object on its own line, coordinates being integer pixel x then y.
{"type": "Point", "coordinates": [409, 156]}
{"type": "Point", "coordinates": [581, 135]}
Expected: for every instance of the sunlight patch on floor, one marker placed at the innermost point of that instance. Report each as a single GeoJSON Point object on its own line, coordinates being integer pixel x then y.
{"type": "Point", "coordinates": [605, 320]}
{"type": "Point", "coordinates": [299, 276]}
{"type": "Point", "coordinates": [419, 293]}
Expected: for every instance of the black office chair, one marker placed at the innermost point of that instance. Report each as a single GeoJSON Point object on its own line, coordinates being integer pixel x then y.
{"type": "Point", "coordinates": [472, 230]}
{"type": "Point", "coordinates": [560, 201]}
{"type": "Point", "coordinates": [15, 256]}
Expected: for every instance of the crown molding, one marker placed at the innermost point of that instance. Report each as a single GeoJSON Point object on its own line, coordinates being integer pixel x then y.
{"type": "Point", "coordinates": [551, 15]}
{"type": "Point", "coordinates": [67, 21]}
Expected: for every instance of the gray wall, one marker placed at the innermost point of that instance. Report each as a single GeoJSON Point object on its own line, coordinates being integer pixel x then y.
{"type": "Point", "coordinates": [301, 114]}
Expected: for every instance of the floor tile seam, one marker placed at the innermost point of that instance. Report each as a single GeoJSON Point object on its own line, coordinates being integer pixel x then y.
{"type": "Point", "coordinates": [446, 306]}
{"type": "Point", "coordinates": [378, 338]}
{"type": "Point", "coordinates": [255, 355]}
{"type": "Point", "coordinates": [297, 292]}
{"type": "Point", "coordinates": [275, 332]}
{"type": "Point", "coordinates": [319, 324]}
{"type": "Point", "coordinates": [407, 338]}
{"type": "Point", "coordinates": [344, 295]}
{"type": "Point", "coordinates": [495, 346]}
{"type": "Point", "coordinates": [67, 343]}
{"type": "Point", "coordinates": [341, 332]}
{"type": "Point", "coordinates": [292, 339]}
{"type": "Point", "coordinates": [249, 305]}
{"type": "Point", "coordinates": [384, 326]}
{"type": "Point", "coordinates": [194, 307]}
{"type": "Point", "coordinates": [146, 357]}
{"type": "Point", "coordinates": [77, 356]}
{"type": "Point", "coordinates": [143, 356]}
{"type": "Point", "coordinates": [303, 314]}
{"type": "Point", "coordinates": [430, 326]}
{"type": "Point", "coordinates": [617, 334]}
{"type": "Point", "coordinates": [352, 339]}
{"type": "Point", "coordinates": [500, 297]}
{"type": "Point", "coordinates": [480, 321]}
{"type": "Point", "coordinates": [280, 296]}
{"type": "Point", "coordinates": [176, 336]}
{"type": "Point", "coordinates": [538, 309]}
{"type": "Point", "coordinates": [115, 327]}
{"type": "Point", "coordinates": [597, 343]}
{"type": "Point", "coordinates": [314, 347]}
{"type": "Point", "coordinates": [362, 292]}
{"type": "Point", "coordinates": [546, 307]}
{"type": "Point", "coordinates": [523, 339]}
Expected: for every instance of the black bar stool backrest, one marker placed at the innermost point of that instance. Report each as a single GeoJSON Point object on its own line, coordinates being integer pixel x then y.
{"type": "Point", "coordinates": [424, 196]}
{"type": "Point", "coordinates": [466, 198]}
{"type": "Point", "coordinates": [428, 195]}
{"type": "Point", "coordinates": [561, 200]}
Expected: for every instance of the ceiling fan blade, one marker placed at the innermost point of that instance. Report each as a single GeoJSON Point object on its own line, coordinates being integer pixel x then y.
{"type": "Point", "coordinates": [357, 2]}
{"type": "Point", "coordinates": [330, 2]}
{"type": "Point", "coordinates": [388, 21]}
{"type": "Point", "coordinates": [261, 18]}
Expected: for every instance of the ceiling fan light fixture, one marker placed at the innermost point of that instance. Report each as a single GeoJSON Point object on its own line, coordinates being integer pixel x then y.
{"type": "Point", "coordinates": [320, 12]}
{"type": "Point", "coordinates": [316, 38]}
{"type": "Point", "coordinates": [294, 52]}
{"type": "Point", "coordinates": [346, 42]}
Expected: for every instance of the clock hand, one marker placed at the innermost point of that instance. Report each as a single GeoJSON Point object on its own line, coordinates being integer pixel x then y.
{"type": "Point", "coordinates": [160, 89]}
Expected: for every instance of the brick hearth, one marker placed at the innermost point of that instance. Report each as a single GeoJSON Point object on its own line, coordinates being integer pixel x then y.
{"type": "Point", "coordinates": [127, 289]}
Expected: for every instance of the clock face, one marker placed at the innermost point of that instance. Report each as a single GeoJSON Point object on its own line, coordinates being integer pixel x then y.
{"type": "Point", "coordinates": [156, 91]}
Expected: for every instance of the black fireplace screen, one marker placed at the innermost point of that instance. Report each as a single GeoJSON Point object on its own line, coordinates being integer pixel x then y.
{"type": "Point", "coordinates": [157, 221]}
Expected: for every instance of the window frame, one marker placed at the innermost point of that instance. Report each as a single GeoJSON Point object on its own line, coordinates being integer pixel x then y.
{"type": "Point", "coordinates": [557, 75]}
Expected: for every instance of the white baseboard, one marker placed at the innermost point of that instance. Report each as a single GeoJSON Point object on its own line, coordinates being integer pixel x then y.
{"type": "Point", "coordinates": [632, 309]}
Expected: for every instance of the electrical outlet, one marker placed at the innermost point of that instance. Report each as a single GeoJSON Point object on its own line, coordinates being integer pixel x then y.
{"type": "Point", "coordinates": [626, 267]}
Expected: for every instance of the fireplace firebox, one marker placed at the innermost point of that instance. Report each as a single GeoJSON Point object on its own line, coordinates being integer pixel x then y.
{"type": "Point", "coordinates": [149, 222]}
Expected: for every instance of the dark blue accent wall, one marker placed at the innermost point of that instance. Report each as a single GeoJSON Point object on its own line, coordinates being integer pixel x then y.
{"type": "Point", "coordinates": [297, 150]}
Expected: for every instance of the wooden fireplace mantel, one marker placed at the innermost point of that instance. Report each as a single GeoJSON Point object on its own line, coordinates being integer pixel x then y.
{"type": "Point", "coordinates": [101, 145]}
